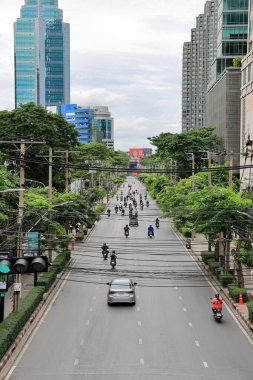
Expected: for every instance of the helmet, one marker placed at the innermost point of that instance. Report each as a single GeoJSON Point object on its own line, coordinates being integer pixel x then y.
{"type": "Point", "coordinates": [217, 295]}
{"type": "Point", "coordinates": [113, 252]}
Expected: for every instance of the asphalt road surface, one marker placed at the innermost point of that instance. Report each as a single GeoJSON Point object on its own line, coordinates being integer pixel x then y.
{"type": "Point", "coordinates": [170, 332]}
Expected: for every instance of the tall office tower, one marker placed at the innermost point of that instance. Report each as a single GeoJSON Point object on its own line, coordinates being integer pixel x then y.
{"type": "Point", "coordinates": [198, 55]}
{"type": "Point", "coordinates": [246, 132]}
{"type": "Point", "coordinates": [42, 54]}
{"type": "Point", "coordinates": [232, 34]}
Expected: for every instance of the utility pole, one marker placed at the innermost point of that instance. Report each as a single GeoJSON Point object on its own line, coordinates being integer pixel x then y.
{"type": "Point", "coordinates": [209, 157]}
{"type": "Point", "coordinates": [21, 204]}
{"type": "Point", "coordinates": [230, 174]}
{"type": "Point", "coordinates": [67, 170]}
{"type": "Point", "coordinates": [192, 158]}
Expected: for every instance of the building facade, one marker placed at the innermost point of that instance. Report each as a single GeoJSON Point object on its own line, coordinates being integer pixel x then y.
{"type": "Point", "coordinates": [82, 118]}
{"type": "Point", "coordinates": [42, 54]}
{"type": "Point", "coordinates": [198, 55]}
{"type": "Point", "coordinates": [223, 111]}
{"type": "Point", "coordinates": [232, 34]}
{"type": "Point", "coordinates": [94, 123]}
{"type": "Point", "coordinates": [246, 174]}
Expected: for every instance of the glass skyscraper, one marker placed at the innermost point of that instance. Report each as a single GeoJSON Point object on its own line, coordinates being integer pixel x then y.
{"type": "Point", "coordinates": [42, 54]}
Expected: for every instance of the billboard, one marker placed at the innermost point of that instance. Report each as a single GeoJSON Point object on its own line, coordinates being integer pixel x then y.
{"type": "Point", "coordinates": [136, 153]}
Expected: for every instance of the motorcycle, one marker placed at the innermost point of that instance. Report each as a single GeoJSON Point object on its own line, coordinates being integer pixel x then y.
{"type": "Point", "coordinates": [122, 212]}
{"type": "Point", "coordinates": [105, 253]}
{"type": "Point", "coordinates": [116, 210]}
{"type": "Point", "coordinates": [217, 314]}
{"type": "Point", "coordinates": [113, 262]}
{"type": "Point", "coordinates": [188, 244]}
{"type": "Point", "coordinates": [126, 233]}
{"type": "Point", "coordinates": [108, 213]}
{"type": "Point", "coordinates": [147, 203]}
{"type": "Point", "coordinates": [157, 223]}
{"type": "Point", "coordinates": [151, 234]}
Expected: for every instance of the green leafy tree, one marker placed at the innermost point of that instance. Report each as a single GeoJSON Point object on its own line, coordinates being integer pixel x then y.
{"type": "Point", "coordinates": [177, 146]}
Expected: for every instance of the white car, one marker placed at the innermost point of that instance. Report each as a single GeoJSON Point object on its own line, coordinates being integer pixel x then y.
{"type": "Point", "coordinates": [121, 290]}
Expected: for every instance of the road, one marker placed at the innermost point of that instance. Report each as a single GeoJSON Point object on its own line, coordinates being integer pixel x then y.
{"type": "Point", "coordinates": [168, 334]}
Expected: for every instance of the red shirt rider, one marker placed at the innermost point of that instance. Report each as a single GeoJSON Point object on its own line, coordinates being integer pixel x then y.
{"type": "Point", "coordinates": [217, 302]}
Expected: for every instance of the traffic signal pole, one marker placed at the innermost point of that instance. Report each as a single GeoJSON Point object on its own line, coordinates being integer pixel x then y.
{"type": "Point", "coordinates": [17, 285]}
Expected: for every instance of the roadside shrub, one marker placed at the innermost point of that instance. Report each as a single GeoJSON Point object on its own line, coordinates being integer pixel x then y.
{"type": "Point", "coordinates": [234, 292]}
{"type": "Point", "coordinates": [206, 255]}
{"type": "Point", "coordinates": [250, 309]}
{"type": "Point", "coordinates": [226, 279]}
{"type": "Point", "coordinates": [213, 265]}
{"type": "Point", "coordinates": [13, 324]}
{"type": "Point", "coordinates": [217, 272]}
{"type": "Point", "coordinates": [79, 236]}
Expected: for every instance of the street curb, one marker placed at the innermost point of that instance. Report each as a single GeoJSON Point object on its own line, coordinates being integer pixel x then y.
{"type": "Point", "coordinates": [32, 319]}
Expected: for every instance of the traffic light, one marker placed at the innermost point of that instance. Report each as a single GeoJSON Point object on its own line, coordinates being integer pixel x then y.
{"type": "Point", "coordinates": [28, 264]}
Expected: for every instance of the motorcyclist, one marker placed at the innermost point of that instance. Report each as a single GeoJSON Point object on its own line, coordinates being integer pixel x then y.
{"type": "Point", "coordinates": [123, 212]}
{"type": "Point", "coordinates": [151, 230]}
{"type": "Point", "coordinates": [105, 249]}
{"type": "Point", "coordinates": [147, 203]}
{"type": "Point", "coordinates": [157, 222]}
{"type": "Point", "coordinates": [113, 256]}
{"type": "Point", "coordinates": [217, 303]}
{"type": "Point", "coordinates": [108, 212]}
{"type": "Point", "coordinates": [126, 228]}
{"type": "Point", "coordinates": [116, 209]}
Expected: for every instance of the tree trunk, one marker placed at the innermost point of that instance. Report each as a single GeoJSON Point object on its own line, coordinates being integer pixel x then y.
{"type": "Point", "coordinates": [238, 265]}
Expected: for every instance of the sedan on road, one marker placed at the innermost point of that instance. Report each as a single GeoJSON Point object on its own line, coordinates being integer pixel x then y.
{"type": "Point", "coordinates": [121, 290]}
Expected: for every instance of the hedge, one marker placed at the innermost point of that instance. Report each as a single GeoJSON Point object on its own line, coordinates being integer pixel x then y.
{"type": "Point", "coordinates": [226, 279]}
{"type": "Point", "coordinates": [250, 309]}
{"type": "Point", "coordinates": [47, 279]}
{"type": "Point", "coordinates": [13, 324]}
{"type": "Point", "coordinates": [213, 265]}
{"type": "Point", "coordinates": [206, 255]}
{"type": "Point", "coordinates": [234, 292]}
{"type": "Point", "coordinates": [217, 272]}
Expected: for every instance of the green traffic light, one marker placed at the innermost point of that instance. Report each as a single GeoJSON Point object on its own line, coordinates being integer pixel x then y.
{"type": "Point", "coordinates": [5, 269]}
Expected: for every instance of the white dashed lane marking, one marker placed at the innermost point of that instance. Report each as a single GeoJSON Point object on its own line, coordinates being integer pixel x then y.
{"type": "Point", "coordinates": [87, 323]}
{"type": "Point", "coordinates": [82, 342]}
{"type": "Point", "coordinates": [180, 298]}
{"type": "Point", "coordinates": [141, 361]}
{"type": "Point", "coordinates": [190, 324]}
{"type": "Point", "coordinates": [184, 308]}
{"type": "Point", "coordinates": [197, 343]}
{"type": "Point", "coordinates": [139, 323]}
{"type": "Point", "coordinates": [91, 310]}
{"type": "Point", "coordinates": [205, 364]}
{"type": "Point", "coordinates": [140, 341]}
{"type": "Point", "coordinates": [94, 297]}
{"type": "Point", "coordinates": [138, 308]}
{"type": "Point", "coordinates": [76, 362]}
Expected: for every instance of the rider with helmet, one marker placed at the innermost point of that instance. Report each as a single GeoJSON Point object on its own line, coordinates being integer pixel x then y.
{"type": "Point", "coordinates": [150, 230]}
{"type": "Point", "coordinates": [217, 303]}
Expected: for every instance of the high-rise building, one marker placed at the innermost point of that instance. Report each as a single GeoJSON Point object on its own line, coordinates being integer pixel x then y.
{"type": "Point", "coordinates": [232, 34]}
{"type": "Point", "coordinates": [42, 54]}
{"type": "Point", "coordinates": [105, 125]}
{"type": "Point", "coordinates": [198, 55]}
{"type": "Point", "coordinates": [247, 110]}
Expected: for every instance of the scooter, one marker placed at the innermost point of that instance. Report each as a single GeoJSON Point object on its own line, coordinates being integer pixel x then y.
{"type": "Point", "coordinates": [151, 234]}
{"type": "Point", "coordinates": [157, 223]}
{"type": "Point", "coordinates": [126, 233]}
{"type": "Point", "coordinates": [105, 253]}
{"type": "Point", "coordinates": [217, 314]}
{"type": "Point", "coordinates": [108, 213]}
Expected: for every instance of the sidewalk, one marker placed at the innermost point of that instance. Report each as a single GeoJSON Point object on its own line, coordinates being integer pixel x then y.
{"type": "Point", "coordinates": [200, 243]}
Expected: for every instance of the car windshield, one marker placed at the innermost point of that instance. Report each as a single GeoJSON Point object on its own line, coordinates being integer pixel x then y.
{"type": "Point", "coordinates": [120, 287]}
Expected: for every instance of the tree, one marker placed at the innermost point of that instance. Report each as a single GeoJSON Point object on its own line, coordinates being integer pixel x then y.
{"type": "Point", "coordinates": [32, 122]}
{"type": "Point", "coordinates": [176, 146]}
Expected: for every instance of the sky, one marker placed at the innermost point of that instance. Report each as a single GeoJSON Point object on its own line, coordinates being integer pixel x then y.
{"type": "Point", "coordinates": [125, 54]}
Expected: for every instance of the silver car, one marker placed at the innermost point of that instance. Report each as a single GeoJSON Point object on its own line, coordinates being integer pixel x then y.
{"type": "Point", "coordinates": [121, 290]}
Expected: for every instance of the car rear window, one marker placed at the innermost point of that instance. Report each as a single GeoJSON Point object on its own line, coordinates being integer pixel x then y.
{"type": "Point", "coordinates": [121, 287]}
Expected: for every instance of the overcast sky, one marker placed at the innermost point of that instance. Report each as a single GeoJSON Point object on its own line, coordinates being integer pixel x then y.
{"type": "Point", "coordinates": [126, 54]}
